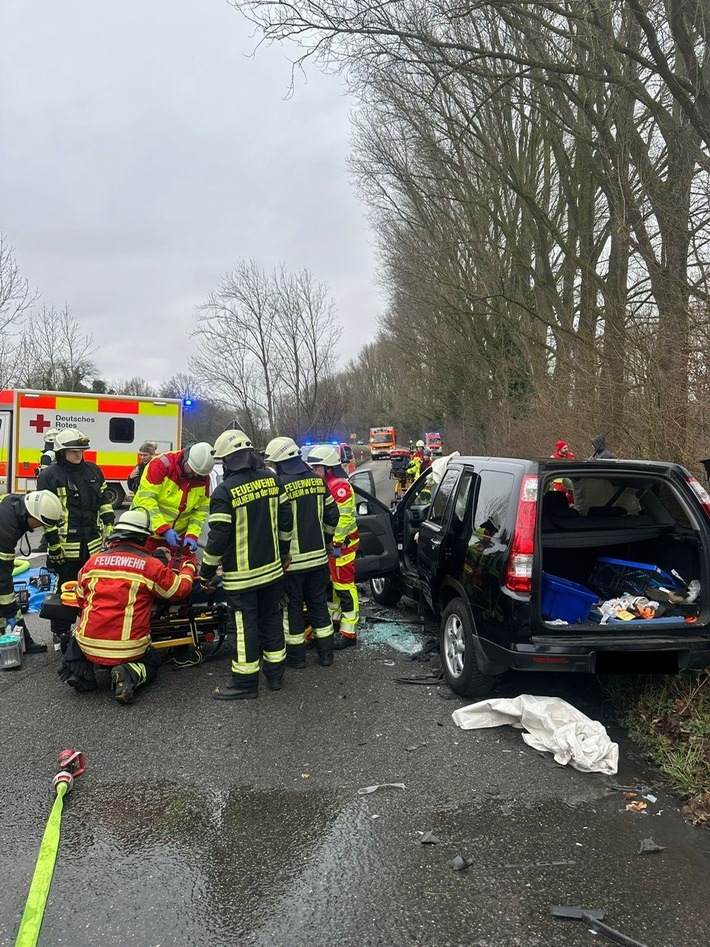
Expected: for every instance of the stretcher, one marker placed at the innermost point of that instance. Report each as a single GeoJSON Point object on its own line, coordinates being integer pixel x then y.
{"type": "Point", "coordinates": [189, 631]}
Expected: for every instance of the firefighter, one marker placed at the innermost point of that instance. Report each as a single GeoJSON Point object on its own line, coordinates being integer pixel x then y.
{"type": "Point", "coordinates": [250, 528]}
{"type": "Point", "coordinates": [18, 516]}
{"type": "Point", "coordinates": [88, 514]}
{"type": "Point", "coordinates": [47, 456]}
{"type": "Point", "coordinates": [146, 452]}
{"type": "Point", "coordinates": [175, 489]}
{"type": "Point", "coordinates": [115, 591]}
{"type": "Point", "coordinates": [344, 603]}
{"type": "Point", "coordinates": [315, 516]}
{"type": "Point", "coordinates": [414, 467]}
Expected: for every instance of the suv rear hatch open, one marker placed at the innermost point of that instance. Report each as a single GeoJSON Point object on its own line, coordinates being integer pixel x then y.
{"type": "Point", "coordinates": [609, 529]}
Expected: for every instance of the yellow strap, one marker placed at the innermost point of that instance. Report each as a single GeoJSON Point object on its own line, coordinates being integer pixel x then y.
{"type": "Point", "coordinates": [42, 879]}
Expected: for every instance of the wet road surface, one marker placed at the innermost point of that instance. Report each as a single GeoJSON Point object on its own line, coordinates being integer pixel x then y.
{"type": "Point", "coordinates": [209, 823]}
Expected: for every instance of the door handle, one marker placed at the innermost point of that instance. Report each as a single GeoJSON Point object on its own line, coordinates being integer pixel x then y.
{"type": "Point", "coordinates": [436, 542]}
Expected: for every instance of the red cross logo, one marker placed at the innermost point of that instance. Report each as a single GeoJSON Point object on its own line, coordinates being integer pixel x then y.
{"type": "Point", "coordinates": [40, 423]}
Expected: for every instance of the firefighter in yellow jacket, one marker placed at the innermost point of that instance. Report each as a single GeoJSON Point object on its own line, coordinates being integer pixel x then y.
{"type": "Point", "coordinates": [344, 603]}
{"type": "Point", "coordinates": [251, 523]}
{"type": "Point", "coordinates": [175, 489]}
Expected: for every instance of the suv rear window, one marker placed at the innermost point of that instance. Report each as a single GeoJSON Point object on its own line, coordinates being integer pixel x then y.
{"type": "Point", "coordinates": [494, 493]}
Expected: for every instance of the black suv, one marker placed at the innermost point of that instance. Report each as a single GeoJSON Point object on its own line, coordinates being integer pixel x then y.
{"type": "Point", "coordinates": [513, 555]}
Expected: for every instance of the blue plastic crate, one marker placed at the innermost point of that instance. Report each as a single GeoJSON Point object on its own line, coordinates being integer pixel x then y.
{"type": "Point", "coordinates": [613, 577]}
{"type": "Point", "coordinates": [566, 600]}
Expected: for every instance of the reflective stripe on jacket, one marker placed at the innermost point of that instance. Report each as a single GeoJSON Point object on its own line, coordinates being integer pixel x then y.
{"type": "Point", "coordinates": [173, 500]}
{"type": "Point", "coordinates": [346, 533]}
{"type": "Point", "coordinates": [82, 490]}
{"type": "Point", "coordinates": [116, 590]}
{"type": "Point", "coordinates": [251, 524]}
{"type": "Point", "coordinates": [315, 517]}
{"type": "Point", "coordinates": [13, 526]}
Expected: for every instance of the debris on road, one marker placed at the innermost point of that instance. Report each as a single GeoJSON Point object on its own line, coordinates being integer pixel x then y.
{"type": "Point", "coordinates": [366, 790]}
{"type": "Point", "coordinates": [637, 806]}
{"type": "Point", "coordinates": [648, 845]}
{"type": "Point", "coordinates": [566, 910]}
{"type": "Point", "coordinates": [428, 838]}
{"type": "Point", "coordinates": [459, 863]}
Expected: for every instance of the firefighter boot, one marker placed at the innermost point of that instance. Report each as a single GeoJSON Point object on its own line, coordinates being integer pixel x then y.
{"type": "Point", "coordinates": [235, 690]}
{"type": "Point", "coordinates": [31, 646]}
{"type": "Point", "coordinates": [325, 648]}
{"type": "Point", "coordinates": [344, 641]}
{"type": "Point", "coordinates": [122, 683]}
{"type": "Point", "coordinates": [296, 656]}
{"type": "Point", "coordinates": [274, 675]}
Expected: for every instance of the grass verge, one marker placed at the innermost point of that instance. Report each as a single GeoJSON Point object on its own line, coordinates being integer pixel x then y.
{"type": "Point", "coordinates": [669, 717]}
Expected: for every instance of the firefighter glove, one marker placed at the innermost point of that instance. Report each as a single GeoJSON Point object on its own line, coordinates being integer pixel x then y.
{"type": "Point", "coordinates": [189, 543]}
{"type": "Point", "coordinates": [55, 559]}
{"type": "Point", "coordinates": [171, 538]}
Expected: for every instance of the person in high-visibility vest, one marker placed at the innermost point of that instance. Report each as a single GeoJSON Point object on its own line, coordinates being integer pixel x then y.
{"type": "Point", "coordinates": [175, 489]}
{"type": "Point", "coordinates": [250, 529]}
{"type": "Point", "coordinates": [315, 517]}
{"type": "Point", "coordinates": [344, 604]}
{"type": "Point", "coordinates": [115, 591]}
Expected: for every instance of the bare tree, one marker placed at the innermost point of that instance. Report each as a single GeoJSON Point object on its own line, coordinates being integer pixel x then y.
{"type": "Point", "coordinates": [266, 343]}
{"type": "Point", "coordinates": [16, 298]}
{"type": "Point", "coordinates": [54, 354]}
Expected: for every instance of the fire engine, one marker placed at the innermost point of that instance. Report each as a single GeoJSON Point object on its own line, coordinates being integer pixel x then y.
{"type": "Point", "coordinates": [116, 424]}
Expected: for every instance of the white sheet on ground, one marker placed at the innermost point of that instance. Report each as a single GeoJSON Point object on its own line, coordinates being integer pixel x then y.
{"type": "Point", "coordinates": [552, 725]}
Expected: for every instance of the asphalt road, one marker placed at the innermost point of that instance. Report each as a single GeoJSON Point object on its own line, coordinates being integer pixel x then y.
{"type": "Point", "coordinates": [208, 823]}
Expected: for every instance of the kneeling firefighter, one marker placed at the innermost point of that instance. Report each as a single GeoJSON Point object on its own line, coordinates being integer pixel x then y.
{"type": "Point", "coordinates": [115, 591]}
{"type": "Point", "coordinates": [315, 516]}
{"type": "Point", "coordinates": [20, 515]}
{"type": "Point", "coordinates": [251, 523]}
{"type": "Point", "coordinates": [344, 604]}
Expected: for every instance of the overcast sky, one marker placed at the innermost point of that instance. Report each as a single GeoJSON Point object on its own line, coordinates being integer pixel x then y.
{"type": "Point", "coordinates": [143, 152]}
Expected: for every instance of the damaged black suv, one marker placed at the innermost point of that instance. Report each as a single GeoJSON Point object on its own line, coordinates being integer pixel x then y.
{"type": "Point", "coordinates": [518, 556]}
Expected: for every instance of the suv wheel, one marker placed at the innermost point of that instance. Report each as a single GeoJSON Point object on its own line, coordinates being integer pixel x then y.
{"type": "Point", "coordinates": [458, 654]}
{"type": "Point", "coordinates": [385, 591]}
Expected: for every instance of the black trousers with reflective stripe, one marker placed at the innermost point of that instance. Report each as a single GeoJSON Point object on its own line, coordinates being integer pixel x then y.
{"type": "Point", "coordinates": [309, 588]}
{"type": "Point", "coordinates": [259, 629]}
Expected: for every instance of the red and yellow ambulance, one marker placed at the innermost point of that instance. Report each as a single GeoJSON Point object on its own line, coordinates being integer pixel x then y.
{"type": "Point", "coordinates": [116, 425]}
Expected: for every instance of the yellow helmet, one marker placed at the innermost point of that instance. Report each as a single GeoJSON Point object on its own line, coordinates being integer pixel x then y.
{"type": "Point", "coordinates": [280, 449]}
{"type": "Point", "coordinates": [229, 443]}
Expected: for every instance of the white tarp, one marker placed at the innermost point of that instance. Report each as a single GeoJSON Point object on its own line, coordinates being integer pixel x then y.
{"type": "Point", "coordinates": [439, 465]}
{"type": "Point", "coordinates": [552, 725]}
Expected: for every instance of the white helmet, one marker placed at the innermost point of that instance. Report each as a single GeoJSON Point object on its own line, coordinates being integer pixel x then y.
{"type": "Point", "coordinates": [420, 443]}
{"type": "Point", "coordinates": [71, 439]}
{"type": "Point", "coordinates": [51, 435]}
{"type": "Point", "coordinates": [325, 455]}
{"type": "Point", "coordinates": [45, 506]}
{"type": "Point", "coordinates": [200, 457]}
{"type": "Point", "coordinates": [280, 449]}
{"type": "Point", "coordinates": [230, 442]}
{"type": "Point", "coordinates": [133, 524]}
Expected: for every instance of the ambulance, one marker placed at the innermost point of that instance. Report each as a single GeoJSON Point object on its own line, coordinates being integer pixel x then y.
{"type": "Point", "coordinates": [116, 425]}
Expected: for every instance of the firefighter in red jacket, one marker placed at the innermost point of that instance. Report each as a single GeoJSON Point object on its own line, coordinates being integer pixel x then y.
{"type": "Point", "coordinates": [115, 590]}
{"type": "Point", "coordinates": [343, 604]}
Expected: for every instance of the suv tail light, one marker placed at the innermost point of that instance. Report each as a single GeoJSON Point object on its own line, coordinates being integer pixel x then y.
{"type": "Point", "coordinates": [701, 493]}
{"type": "Point", "coordinates": [518, 574]}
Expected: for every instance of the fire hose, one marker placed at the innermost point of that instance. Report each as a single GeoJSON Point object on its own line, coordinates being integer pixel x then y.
{"type": "Point", "coordinates": [72, 764]}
